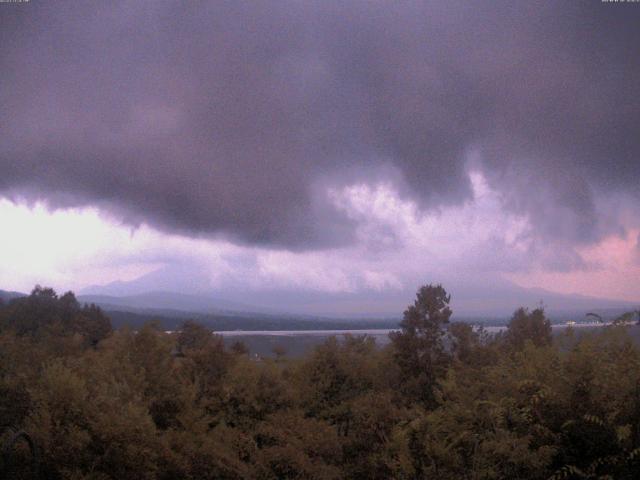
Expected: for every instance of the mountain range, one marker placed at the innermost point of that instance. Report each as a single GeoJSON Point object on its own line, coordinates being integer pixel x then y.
{"type": "Point", "coordinates": [187, 290]}
{"type": "Point", "coordinates": [129, 302]}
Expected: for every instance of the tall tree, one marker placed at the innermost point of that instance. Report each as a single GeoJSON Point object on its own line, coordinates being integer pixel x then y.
{"type": "Point", "coordinates": [529, 326]}
{"type": "Point", "coordinates": [419, 348]}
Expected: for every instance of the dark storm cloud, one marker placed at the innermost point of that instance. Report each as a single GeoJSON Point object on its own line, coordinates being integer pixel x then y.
{"type": "Point", "coordinates": [230, 117]}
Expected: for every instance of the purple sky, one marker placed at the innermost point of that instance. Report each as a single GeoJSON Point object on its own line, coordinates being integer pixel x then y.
{"type": "Point", "coordinates": [347, 148]}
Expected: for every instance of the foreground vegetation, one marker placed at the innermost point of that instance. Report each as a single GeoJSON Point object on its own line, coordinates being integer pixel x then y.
{"type": "Point", "coordinates": [440, 401]}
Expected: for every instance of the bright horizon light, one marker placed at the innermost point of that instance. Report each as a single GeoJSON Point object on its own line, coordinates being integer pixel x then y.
{"type": "Point", "coordinates": [80, 247]}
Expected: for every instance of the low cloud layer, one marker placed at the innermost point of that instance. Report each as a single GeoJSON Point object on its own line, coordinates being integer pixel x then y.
{"type": "Point", "coordinates": [475, 249]}
{"type": "Point", "coordinates": [238, 119]}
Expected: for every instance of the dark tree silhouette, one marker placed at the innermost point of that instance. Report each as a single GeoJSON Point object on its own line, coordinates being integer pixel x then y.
{"type": "Point", "coordinates": [525, 325]}
{"type": "Point", "coordinates": [418, 348]}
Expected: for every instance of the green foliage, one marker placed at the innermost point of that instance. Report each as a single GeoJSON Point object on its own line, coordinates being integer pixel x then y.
{"type": "Point", "coordinates": [438, 402]}
{"type": "Point", "coordinates": [43, 314]}
{"type": "Point", "coordinates": [418, 348]}
{"type": "Point", "coordinates": [529, 326]}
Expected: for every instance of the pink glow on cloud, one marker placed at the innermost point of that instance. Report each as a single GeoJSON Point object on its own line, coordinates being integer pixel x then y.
{"type": "Point", "coordinates": [615, 273]}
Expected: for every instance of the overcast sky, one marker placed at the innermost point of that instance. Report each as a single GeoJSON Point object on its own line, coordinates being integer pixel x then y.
{"type": "Point", "coordinates": [341, 148]}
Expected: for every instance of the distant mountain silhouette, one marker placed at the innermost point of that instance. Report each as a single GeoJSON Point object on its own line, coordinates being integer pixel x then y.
{"type": "Point", "coordinates": [6, 296]}
{"type": "Point", "coordinates": [300, 311]}
{"type": "Point", "coordinates": [187, 289]}
{"type": "Point", "coordinates": [182, 279]}
{"type": "Point", "coordinates": [168, 301]}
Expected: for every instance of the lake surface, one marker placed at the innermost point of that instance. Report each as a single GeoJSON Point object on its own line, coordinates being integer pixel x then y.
{"type": "Point", "coordinates": [374, 332]}
{"type": "Point", "coordinates": [297, 343]}
{"type": "Point", "coordinates": [295, 333]}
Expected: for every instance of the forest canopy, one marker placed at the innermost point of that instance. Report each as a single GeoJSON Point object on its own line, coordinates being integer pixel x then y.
{"type": "Point", "coordinates": [442, 400]}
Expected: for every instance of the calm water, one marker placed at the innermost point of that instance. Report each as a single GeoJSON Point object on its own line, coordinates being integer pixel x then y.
{"type": "Point", "coordinates": [374, 332]}
{"type": "Point", "coordinates": [297, 343]}
{"type": "Point", "coordinates": [296, 333]}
